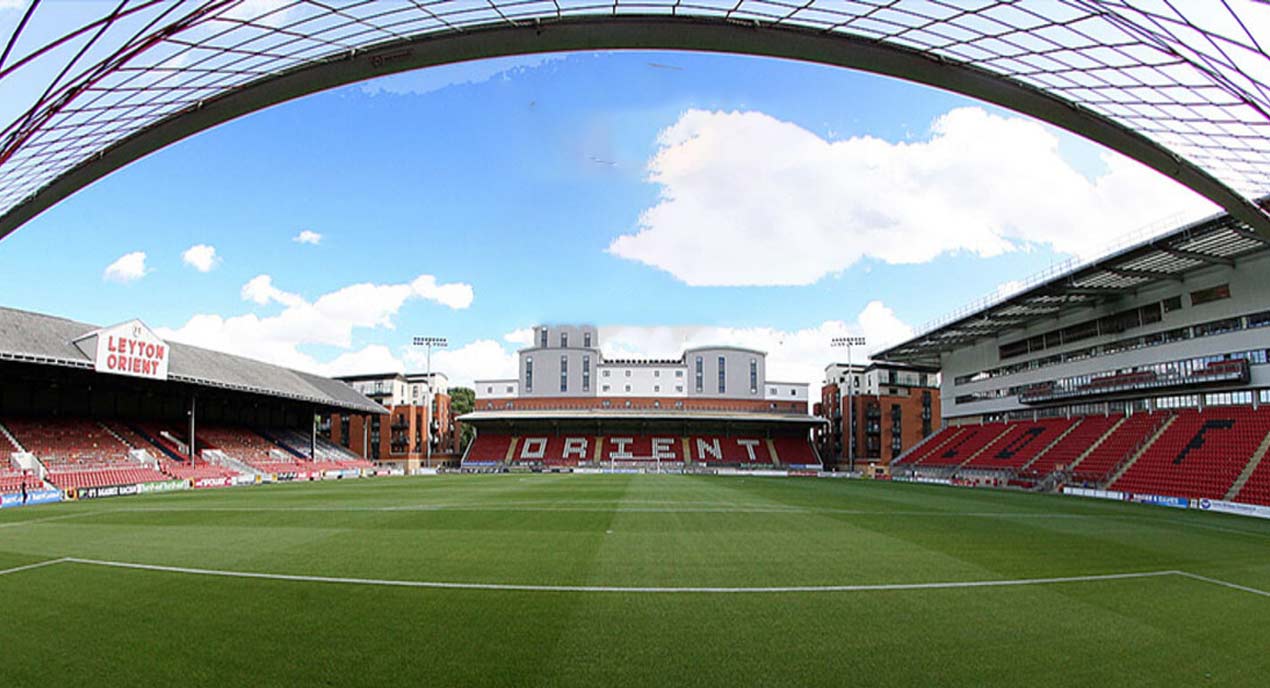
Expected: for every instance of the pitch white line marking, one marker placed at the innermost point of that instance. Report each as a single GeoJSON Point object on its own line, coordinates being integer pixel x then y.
{"type": "Point", "coordinates": [615, 589]}
{"type": "Point", "coordinates": [607, 509]}
{"type": "Point", "coordinates": [36, 565]}
{"type": "Point", "coordinates": [442, 585]}
{"type": "Point", "coordinates": [30, 521]}
{"type": "Point", "coordinates": [1227, 584]}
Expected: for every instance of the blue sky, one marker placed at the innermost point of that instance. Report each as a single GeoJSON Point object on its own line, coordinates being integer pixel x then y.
{"type": "Point", "coordinates": [672, 197]}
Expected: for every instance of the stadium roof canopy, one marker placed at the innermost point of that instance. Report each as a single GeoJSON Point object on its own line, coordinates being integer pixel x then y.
{"type": "Point", "coordinates": [540, 416]}
{"type": "Point", "coordinates": [38, 339]}
{"type": "Point", "coordinates": [1183, 87]}
{"type": "Point", "coordinates": [1218, 240]}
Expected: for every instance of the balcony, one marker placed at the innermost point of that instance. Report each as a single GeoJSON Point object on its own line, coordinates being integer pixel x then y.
{"type": "Point", "coordinates": [1220, 372]}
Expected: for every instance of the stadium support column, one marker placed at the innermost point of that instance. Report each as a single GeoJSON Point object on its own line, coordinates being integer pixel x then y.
{"type": "Point", "coordinates": [313, 422]}
{"type": "Point", "coordinates": [193, 408]}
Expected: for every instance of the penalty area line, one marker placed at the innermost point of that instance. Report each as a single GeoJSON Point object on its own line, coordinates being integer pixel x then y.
{"type": "Point", "coordinates": [36, 565]}
{"type": "Point", "coordinates": [1225, 584]}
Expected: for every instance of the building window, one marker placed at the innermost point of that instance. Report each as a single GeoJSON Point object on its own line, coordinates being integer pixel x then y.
{"type": "Point", "coordinates": [604, 373]}
{"type": "Point", "coordinates": [628, 373]}
{"type": "Point", "coordinates": [679, 373]}
{"type": "Point", "coordinates": [604, 388]}
{"type": "Point", "coordinates": [656, 388]}
{"type": "Point", "coordinates": [586, 339]}
{"type": "Point", "coordinates": [586, 373]}
{"type": "Point", "coordinates": [679, 388]}
{"type": "Point", "coordinates": [700, 375]}
{"type": "Point", "coordinates": [529, 373]}
{"type": "Point", "coordinates": [509, 389]}
{"type": "Point", "coordinates": [564, 373]}
{"type": "Point", "coordinates": [1217, 293]}
{"type": "Point", "coordinates": [542, 337]}
{"type": "Point", "coordinates": [723, 375]}
{"type": "Point", "coordinates": [753, 376]}
{"type": "Point", "coordinates": [489, 390]}
{"type": "Point", "coordinates": [564, 340]}
{"type": "Point", "coordinates": [772, 391]}
{"type": "Point", "coordinates": [656, 373]}
{"type": "Point", "coordinates": [628, 388]}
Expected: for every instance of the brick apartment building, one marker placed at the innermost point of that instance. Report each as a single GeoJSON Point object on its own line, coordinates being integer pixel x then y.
{"type": "Point", "coordinates": [895, 407]}
{"type": "Point", "coordinates": [399, 437]}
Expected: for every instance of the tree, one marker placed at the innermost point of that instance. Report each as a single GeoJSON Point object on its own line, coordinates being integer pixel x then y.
{"type": "Point", "coordinates": [463, 400]}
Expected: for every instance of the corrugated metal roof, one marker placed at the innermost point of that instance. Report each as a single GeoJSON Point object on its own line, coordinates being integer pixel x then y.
{"type": "Point", "coordinates": [48, 340]}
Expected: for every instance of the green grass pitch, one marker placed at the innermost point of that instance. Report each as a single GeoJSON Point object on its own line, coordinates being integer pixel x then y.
{"type": "Point", "coordinates": [77, 623]}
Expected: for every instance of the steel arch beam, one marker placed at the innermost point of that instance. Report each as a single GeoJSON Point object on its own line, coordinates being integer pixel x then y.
{"type": "Point", "coordinates": [657, 32]}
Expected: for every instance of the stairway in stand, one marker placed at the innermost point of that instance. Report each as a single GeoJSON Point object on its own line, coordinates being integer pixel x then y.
{"type": "Point", "coordinates": [1249, 469]}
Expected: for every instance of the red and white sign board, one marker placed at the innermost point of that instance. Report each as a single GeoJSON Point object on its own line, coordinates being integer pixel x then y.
{"type": "Point", "coordinates": [132, 349]}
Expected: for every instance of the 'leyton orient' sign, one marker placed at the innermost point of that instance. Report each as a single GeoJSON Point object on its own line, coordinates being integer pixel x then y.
{"type": "Point", "coordinates": [132, 349]}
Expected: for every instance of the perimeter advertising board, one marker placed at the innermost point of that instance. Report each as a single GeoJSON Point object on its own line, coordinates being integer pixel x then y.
{"type": "Point", "coordinates": [1236, 508]}
{"type": "Point", "coordinates": [32, 497]}
{"type": "Point", "coordinates": [106, 491]}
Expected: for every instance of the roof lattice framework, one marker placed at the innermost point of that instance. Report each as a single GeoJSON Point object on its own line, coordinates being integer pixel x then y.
{"type": "Point", "coordinates": [1181, 85]}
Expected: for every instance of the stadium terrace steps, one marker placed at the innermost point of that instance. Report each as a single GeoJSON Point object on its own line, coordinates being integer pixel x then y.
{"type": "Point", "coordinates": [1256, 489]}
{"type": "Point", "coordinates": [248, 447]}
{"type": "Point", "coordinates": [284, 443]}
{"type": "Point", "coordinates": [64, 444]}
{"type": "Point", "coordinates": [1021, 444]}
{"type": "Point", "coordinates": [1199, 455]}
{"type": "Point", "coordinates": [1249, 469]}
{"type": "Point", "coordinates": [1054, 443]}
{"type": "Point", "coordinates": [13, 441]}
{"type": "Point", "coordinates": [1082, 441]}
{"type": "Point", "coordinates": [928, 445]}
{"type": "Point", "coordinates": [1127, 464]}
{"type": "Point", "coordinates": [156, 437]}
{"type": "Point", "coordinates": [100, 477]}
{"type": "Point", "coordinates": [966, 445]}
{"type": "Point", "coordinates": [1118, 443]}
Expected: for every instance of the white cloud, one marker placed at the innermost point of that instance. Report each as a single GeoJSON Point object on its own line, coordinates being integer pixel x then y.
{"type": "Point", "coordinates": [330, 320]}
{"type": "Point", "coordinates": [481, 359]}
{"type": "Point", "coordinates": [375, 358]}
{"type": "Point", "coordinates": [523, 337]}
{"type": "Point", "coordinates": [129, 267]}
{"type": "Point", "coordinates": [260, 290]}
{"type": "Point", "coordinates": [201, 257]}
{"type": "Point", "coordinates": [455, 295]}
{"type": "Point", "coordinates": [747, 199]}
{"type": "Point", "coordinates": [307, 236]}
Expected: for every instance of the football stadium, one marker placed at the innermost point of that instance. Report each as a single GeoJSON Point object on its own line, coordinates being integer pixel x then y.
{"type": "Point", "coordinates": [1063, 483]}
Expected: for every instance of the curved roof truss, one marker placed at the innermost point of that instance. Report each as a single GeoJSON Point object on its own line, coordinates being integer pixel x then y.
{"type": "Point", "coordinates": [1181, 87]}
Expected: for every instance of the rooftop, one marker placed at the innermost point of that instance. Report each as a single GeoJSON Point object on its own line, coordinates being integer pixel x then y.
{"type": "Point", "coordinates": [1217, 240]}
{"type": "Point", "coordinates": [28, 337]}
